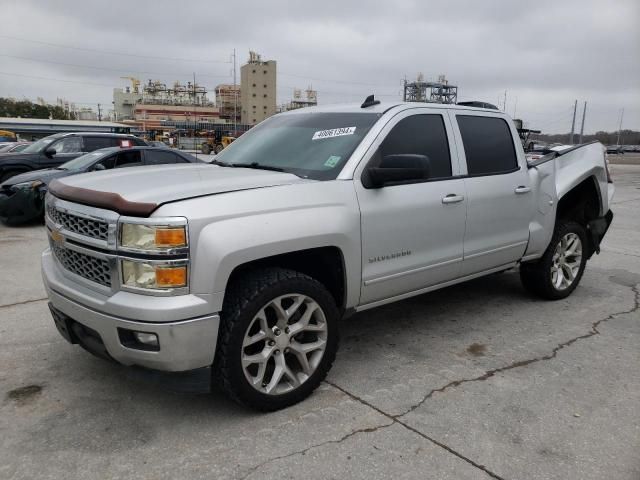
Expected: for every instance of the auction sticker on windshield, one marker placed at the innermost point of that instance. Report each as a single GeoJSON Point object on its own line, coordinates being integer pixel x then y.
{"type": "Point", "coordinates": [334, 132]}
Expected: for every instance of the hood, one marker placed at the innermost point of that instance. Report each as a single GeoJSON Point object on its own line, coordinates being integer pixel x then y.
{"type": "Point", "coordinates": [45, 176]}
{"type": "Point", "coordinates": [140, 190]}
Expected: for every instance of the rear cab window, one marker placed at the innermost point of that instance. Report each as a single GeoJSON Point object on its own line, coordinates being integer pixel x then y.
{"type": "Point", "coordinates": [161, 157]}
{"type": "Point", "coordinates": [488, 145]}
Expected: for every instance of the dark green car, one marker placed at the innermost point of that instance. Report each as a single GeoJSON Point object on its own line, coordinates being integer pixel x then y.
{"type": "Point", "coordinates": [22, 196]}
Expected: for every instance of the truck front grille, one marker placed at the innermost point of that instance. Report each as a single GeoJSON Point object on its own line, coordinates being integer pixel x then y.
{"type": "Point", "coordinates": [80, 225]}
{"type": "Point", "coordinates": [93, 269]}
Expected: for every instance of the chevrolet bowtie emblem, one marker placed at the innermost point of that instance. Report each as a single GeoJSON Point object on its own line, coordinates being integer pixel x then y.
{"type": "Point", "coordinates": [56, 236]}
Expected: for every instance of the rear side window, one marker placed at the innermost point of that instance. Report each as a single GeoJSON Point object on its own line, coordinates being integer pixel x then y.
{"type": "Point", "coordinates": [488, 145]}
{"type": "Point", "coordinates": [421, 135]}
{"type": "Point", "coordinates": [95, 143]}
{"type": "Point", "coordinates": [155, 157]}
{"type": "Point", "coordinates": [129, 159]}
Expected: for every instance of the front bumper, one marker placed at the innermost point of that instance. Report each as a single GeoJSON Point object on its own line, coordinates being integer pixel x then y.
{"type": "Point", "coordinates": [21, 206]}
{"type": "Point", "coordinates": [184, 344]}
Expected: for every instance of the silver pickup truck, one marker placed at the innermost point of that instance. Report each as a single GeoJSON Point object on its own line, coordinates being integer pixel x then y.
{"type": "Point", "coordinates": [237, 274]}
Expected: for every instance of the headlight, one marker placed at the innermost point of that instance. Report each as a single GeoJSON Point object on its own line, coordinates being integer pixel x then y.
{"type": "Point", "coordinates": [26, 185]}
{"type": "Point", "coordinates": [152, 237]}
{"type": "Point", "coordinates": [157, 276]}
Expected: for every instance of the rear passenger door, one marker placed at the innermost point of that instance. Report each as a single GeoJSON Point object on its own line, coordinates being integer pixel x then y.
{"type": "Point", "coordinates": [412, 232]}
{"type": "Point", "coordinates": [497, 188]}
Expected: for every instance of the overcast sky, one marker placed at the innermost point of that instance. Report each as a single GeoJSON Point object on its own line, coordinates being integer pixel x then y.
{"type": "Point", "coordinates": [545, 54]}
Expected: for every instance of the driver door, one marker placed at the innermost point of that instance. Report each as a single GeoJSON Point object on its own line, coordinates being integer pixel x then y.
{"type": "Point", "coordinates": [412, 234]}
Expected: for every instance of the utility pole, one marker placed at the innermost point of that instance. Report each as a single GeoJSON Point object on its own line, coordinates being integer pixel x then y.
{"type": "Point", "coordinates": [584, 114]}
{"type": "Point", "coordinates": [504, 106]}
{"type": "Point", "coordinates": [620, 128]}
{"type": "Point", "coordinates": [573, 122]}
{"type": "Point", "coordinates": [235, 96]}
{"type": "Point", "coordinates": [99, 114]}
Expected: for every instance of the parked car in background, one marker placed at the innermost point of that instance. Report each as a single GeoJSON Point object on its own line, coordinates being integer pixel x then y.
{"type": "Point", "coordinates": [57, 149]}
{"type": "Point", "coordinates": [14, 147]}
{"type": "Point", "coordinates": [22, 196]}
{"type": "Point", "coordinates": [615, 149]}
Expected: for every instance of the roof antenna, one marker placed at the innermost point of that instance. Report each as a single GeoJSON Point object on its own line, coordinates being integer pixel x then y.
{"type": "Point", "coordinates": [370, 102]}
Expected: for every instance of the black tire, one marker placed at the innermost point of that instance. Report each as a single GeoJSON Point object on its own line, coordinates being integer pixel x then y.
{"type": "Point", "coordinates": [245, 297]}
{"type": "Point", "coordinates": [536, 276]}
{"type": "Point", "coordinates": [218, 148]}
{"type": "Point", "coordinates": [205, 148]}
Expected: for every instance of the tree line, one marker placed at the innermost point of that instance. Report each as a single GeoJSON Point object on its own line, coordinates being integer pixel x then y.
{"type": "Point", "coordinates": [27, 109]}
{"type": "Point", "coordinates": [627, 137]}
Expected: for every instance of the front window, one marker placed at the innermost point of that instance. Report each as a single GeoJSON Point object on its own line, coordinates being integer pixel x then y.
{"type": "Point", "coordinates": [310, 145]}
{"type": "Point", "coordinates": [39, 145]}
{"type": "Point", "coordinates": [83, 162]}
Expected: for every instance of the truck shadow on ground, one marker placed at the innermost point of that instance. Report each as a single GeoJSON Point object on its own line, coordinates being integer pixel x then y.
{"type": "Point", "coordinates": [125, 414]}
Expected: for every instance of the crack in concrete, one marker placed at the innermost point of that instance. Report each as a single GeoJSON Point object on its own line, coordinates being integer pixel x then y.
{"type": "Point", "coordinates": [25, 302]}
{"type": "Point", "coordinates": [523, 363]}
{"type": "Point", "coordinates": [488, 374]}
{"type": "Point", "coordinates": [395, 419]}
{"type": "Point", "coordinates": [317, 445]}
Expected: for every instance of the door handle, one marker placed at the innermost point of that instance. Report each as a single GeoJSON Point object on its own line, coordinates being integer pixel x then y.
{"type": "Point", "coordinates": [522, 189]}
{"type": "Point", "coordinates": [452, 198]}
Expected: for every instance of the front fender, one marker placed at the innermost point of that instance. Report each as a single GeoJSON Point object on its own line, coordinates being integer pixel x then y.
{"type": "Point", "coordinates": [262, 223]}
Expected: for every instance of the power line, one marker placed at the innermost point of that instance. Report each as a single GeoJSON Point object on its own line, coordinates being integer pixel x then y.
{"type": "Point", "coordinates": [119, 54]}
{"type": "Point", "coordinates": [55, 79]}
{"type": "Point", "coordinates": [107, 68]}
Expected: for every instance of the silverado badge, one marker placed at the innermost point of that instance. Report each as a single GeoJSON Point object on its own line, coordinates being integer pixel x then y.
{"type": "Point", "coordinates": [57, 237]}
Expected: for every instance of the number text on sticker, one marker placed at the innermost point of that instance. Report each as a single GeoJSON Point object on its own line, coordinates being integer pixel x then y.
{"type": "Point", "coordinates": [334, 132]}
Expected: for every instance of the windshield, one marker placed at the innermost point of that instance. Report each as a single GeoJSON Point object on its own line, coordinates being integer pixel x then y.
{"type": "Point", "coordinates": [39, 145]}
{"type": "Point", "coordinates": [82, 162]}
{"type": "Point", "coordinates": [310, 145]}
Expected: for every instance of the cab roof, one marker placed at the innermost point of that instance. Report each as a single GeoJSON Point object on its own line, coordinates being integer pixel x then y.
{"type": "Point", "coordinates": [383, 107]}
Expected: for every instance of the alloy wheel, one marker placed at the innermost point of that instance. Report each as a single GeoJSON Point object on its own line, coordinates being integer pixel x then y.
{"type": "Point", "coordinates": [566, 261]}
{"type": "Point", "coordinates": [284, 344]}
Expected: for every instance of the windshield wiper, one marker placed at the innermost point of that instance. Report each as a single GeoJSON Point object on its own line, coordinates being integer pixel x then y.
{"type": "Point", "coordinates": [258, 166]}
{"type": "Point", "coordinates": [220, 164]}
{"type": "Point", "coordinates": [61, 168]}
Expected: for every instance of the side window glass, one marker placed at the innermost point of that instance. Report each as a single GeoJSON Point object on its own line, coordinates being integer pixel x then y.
{"type": "Point", "coordinates": [68, 145]}
{"type": "Point", "coordinates": [488, 145]}
{"type": "Point", "coordinates": [421, 135]}
{"type": "Point", "coordinates": [95, 143]}
{"type": "Point", "coordinates": [128, 159]}
{"type": "Point", "coordinates": [109, 162]}
{"type": "Point", "coordinates": [157, 157]}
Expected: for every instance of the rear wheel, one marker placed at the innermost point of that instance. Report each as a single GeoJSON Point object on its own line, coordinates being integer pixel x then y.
{"type": "Point", "coordinates": [278, 338]}
{"type": "Point", "coordinates": [557, 274]}
{"type": "Point", "coordinates": [205, 148]}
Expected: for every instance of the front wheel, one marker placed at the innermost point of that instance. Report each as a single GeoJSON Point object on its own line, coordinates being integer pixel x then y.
{"type": "Point", "coordinates": [557, 274]}
{"type": "Point", "coordinates": [278, 338]}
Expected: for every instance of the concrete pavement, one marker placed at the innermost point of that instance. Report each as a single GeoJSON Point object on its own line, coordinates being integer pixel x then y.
{"type": "Point", "coordinates": [476, 381]}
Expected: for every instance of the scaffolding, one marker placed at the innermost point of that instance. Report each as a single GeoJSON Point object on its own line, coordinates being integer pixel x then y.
{"type": "Point", "coordinates": [430, 92]}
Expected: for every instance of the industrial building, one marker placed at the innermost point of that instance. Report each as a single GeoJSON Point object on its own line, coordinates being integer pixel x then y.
{"type": "Point", "coordinates": [309, 99]}
{"type": "Point", "coordinates": [228, 102]}
{"type": "Point", "coordinates": [257, 89]}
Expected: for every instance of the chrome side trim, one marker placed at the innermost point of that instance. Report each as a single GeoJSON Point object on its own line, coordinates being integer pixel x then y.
{"type": "Point", "coordinates": [403, 296]}
{"type": "Point", "coordinates": [494, 250]}
{"type": "Point", "coordinates": [413, 271]}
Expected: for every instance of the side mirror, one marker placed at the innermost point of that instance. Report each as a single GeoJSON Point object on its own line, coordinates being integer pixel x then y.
{"type": "Point", "coordinates": [50, 152]}
{"type": "Point", "coordinates": [98, 167]}
{"type": "Point", "coordinates": [398, 168]}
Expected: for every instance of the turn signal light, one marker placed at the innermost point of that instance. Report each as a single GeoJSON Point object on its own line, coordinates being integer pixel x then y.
{"type": "Point", "coordinates": [171, 277]}
{"type": "Point", "coordinates": [171, 237]}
